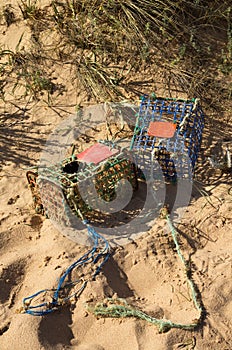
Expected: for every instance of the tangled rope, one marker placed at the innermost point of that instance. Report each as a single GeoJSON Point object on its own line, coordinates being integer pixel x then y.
{"type": "Point", "coordinates": [119, 308]}
{"type": "Point", "coordinates": [93, 256]}
{"type": "Point", "coordinates": [115, 308]}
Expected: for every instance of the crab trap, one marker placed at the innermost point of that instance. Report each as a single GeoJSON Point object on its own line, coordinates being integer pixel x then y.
{"type": "Point", "coordinates": [165, 144]}
{"type": "Point", "coordinates": [91, 174]}
{"type": "Point", "coordinates": [170, 131]}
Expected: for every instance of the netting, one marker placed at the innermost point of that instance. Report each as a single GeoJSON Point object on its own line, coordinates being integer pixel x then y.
{"type": "Point", "coordinates": [176, 145]}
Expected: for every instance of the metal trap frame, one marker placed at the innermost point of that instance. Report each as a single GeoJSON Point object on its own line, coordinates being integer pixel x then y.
{"type": "Point", "coordinates": [55, 189]}
{"type": "Point", "coordinates": [171, 130]}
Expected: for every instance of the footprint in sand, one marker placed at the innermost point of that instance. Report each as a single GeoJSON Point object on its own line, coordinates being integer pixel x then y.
{"type": "Point", "coordinates": [36, 222]}
{"type": "Point", "coordinates": [10, 278]}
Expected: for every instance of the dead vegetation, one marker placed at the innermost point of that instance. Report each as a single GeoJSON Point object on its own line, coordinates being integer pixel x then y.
{"type": "Point", "coordinates": [120, 48]}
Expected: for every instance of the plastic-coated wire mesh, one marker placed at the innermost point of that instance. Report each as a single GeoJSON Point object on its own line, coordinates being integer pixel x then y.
{"type": "Point", "coordinates": [58, 185]}
{"type": "Point", "coordinates": [170, 152]}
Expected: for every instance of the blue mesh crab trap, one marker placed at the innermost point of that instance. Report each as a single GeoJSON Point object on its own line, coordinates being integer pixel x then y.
{"type": "Point", "coordinates": [170, 131]}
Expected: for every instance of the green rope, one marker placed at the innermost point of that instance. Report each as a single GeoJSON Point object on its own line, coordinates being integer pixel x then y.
{"type": "Point", "coordinates": [119, 308]}
{"type": "Point", "coordinates": [196, 301]}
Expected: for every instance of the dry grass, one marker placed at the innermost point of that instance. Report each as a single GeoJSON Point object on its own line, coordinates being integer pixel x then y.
{"type": "Point", "coordinates": [108, 44]}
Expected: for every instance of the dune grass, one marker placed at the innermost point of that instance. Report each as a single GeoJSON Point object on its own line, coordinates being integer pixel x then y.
{"type": "Point", "coordinates": [112, 44]}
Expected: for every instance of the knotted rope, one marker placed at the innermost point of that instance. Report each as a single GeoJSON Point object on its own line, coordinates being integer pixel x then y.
{"type": "Point", "coordinates": [99, 251]}
{"type": "Point", "coordinates": [119, 308]}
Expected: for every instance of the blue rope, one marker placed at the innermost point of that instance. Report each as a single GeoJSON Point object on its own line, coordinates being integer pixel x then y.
{"type": "Point", "coordinates": [92, 255]}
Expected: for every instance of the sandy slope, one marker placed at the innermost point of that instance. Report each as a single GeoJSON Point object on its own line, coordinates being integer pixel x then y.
{"type": "Point", "coordinates": [146, 271]}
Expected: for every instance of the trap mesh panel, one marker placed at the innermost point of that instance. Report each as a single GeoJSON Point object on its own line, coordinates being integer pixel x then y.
{"type": "Point", "coordinates": [58, 187]}
{"type": "Point", "coordinates": [54, 204]}
{"type": "Point", "coordinates": [170, 152]}
{"type": "Point", "coordinates": [104, 177]}
{"type": "Point", "coordinates": [48, 197]}
{"type": "Point", "coordinates": [114, 171]}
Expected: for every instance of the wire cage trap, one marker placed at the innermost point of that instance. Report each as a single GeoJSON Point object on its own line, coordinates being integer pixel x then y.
{"type": "Point", "coordinates": [96, 171]}
{"type": "Point", "coordinates": [171, 131]}
{"type": "Point", "coordinates": [166, 130]}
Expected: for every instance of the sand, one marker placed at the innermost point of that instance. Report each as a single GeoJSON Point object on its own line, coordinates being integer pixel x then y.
{"type": "Point", "coordinates": [146, 271]}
